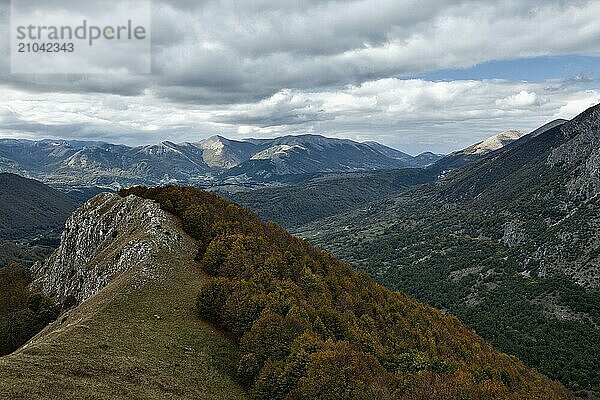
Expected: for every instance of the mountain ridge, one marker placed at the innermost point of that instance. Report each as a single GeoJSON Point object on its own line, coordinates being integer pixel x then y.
{"type": "Point", "coordinates": [202, 163]}
{"type": "Point", "coordinates": [136, 335]}
{"type": "Point", "coordinates": [494, 142]}
{"type": "Point", "coordinates": [120, 341]}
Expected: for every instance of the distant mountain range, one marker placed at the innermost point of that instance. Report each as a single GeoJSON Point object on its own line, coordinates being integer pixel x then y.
{"type": "Point", "coordinates": [330, 194]}
{"type": "Point", "coordinates": [211, 161]}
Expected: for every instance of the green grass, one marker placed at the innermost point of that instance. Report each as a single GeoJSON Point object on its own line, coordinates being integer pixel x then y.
{"type": "Point", "coordinates": [129, 342]}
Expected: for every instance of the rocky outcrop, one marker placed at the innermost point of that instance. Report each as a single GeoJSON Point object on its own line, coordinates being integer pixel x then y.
{"type": "Point", "coordinates": [494, 142]}
{"type": "Point", "coordinates": [105, 237]}
{"type": "Point", "coordinates": [514, 233]}
{"type": "Point", "coordinates": [581, 153]}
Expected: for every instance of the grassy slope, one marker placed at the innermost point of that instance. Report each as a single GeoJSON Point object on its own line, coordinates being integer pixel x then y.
{"type": "Point", "coordinates": [113, 345]}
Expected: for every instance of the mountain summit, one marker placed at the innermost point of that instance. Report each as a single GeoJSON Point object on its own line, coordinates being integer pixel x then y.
{"type": "Point", "coordinates": [220, 152]}
{"type": "Point", "coordinates": [494, 142]}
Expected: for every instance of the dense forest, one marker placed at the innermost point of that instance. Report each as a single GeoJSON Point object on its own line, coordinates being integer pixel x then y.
{"type": "Point", "coordinates": [25, 253]}
{"type": "Point", "coordinates": [310, 327]}
{"type": "Point", "coordinates": [509, 244]}
{"type": "Point", "coordinates": [23, 312]}
{"type": "Point", "coordinates": [550, 322]}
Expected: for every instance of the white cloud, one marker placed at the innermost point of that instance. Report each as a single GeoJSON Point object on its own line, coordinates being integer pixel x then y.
{"type": "Point", "coordinates": [234, 52]}
{"type": "Point", "coordinates": [522, 99]}
{"type": "Point", "coordinates": [576, 103]}
{"type": "Point", "coordinates": [413, 115]}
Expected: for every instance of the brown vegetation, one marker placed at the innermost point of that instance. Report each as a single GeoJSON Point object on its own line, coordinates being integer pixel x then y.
{"type": "Point", "coordinates": [309, 327]}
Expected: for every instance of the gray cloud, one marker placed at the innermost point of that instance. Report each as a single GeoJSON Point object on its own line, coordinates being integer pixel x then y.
{"type": "Point", "coordinates": [267, 67]}
{"type": "Point", "coordinates": [232, 51]}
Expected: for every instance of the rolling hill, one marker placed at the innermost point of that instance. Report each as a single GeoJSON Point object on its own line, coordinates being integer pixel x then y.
{"type": "Point", "coordinates": [29, 208]}
{"type": "Point", "coordinates": [32, 216]}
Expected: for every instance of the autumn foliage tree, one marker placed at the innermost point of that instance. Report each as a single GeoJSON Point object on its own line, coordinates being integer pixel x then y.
{"type": "Point", "coordinates": [309, 327]}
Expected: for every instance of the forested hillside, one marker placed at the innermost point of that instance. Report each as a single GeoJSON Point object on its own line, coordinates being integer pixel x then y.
{"type": "Point", "coordinates": [32, 216]}
{"type": "Point", "coordinates": [23, 311]}
{"type": "Point", "coordinates": [328, 195]}
{"type": "Point", "coordinates": [310, 327]}
{"type": "Point", "coordinates": [29, 208]}
{"type": "Point", "coordinates": [510, 244]}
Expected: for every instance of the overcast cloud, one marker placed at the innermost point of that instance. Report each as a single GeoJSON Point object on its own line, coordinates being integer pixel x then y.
{"type": "Point", "coordinates": [339, 68]}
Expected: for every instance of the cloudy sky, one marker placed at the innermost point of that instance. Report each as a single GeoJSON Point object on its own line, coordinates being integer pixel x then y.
{"type": "Point", "coordinates": [420, 75]}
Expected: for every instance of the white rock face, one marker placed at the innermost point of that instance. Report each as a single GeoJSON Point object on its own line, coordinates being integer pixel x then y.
{"type": "Point", "coordinates": [220, 152]}
{"type": "Point", "coordinates": [213, 143]}
{"type": "Point", "coordinates": [276, 151]}
{"type": "Point", "coordinates": [494, 142]}
{"type": "Point", "coordinates": [104, 238]}
{"type": "Point", "coordinates": [514, 233]}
